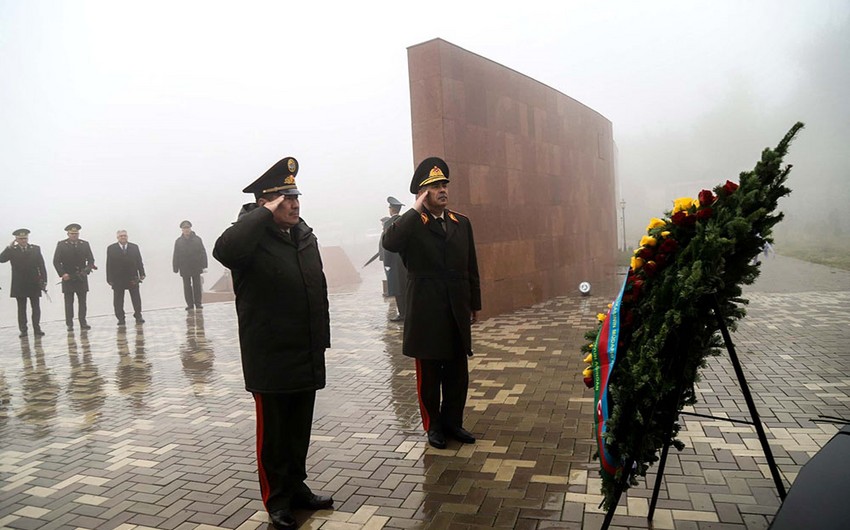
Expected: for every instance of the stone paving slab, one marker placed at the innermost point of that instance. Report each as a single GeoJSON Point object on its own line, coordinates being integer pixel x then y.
{"type": "Point", "coordinates": [150, 427]}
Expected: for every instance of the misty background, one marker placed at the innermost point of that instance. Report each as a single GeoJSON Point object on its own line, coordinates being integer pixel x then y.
{"type": "Point", "coordinates": [127, 115]}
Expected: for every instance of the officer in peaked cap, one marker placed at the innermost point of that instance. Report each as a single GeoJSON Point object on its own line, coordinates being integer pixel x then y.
{"type": "Point", "coordinates": [393, 266]}
{"type": "Point", "coordinates": [443, 299]}
{"type": "Point", "coordinates": [284, 329]}
{"type": "Point", "coordinates": [29, 278]}
{"type": "Point", "coordinates": [74, 261]}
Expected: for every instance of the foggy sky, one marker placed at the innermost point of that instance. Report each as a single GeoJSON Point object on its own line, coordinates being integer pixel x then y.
{"type": "Point", "coordinates": [120, 115]}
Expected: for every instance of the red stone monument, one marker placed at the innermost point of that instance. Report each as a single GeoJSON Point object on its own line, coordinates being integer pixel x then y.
{"type": "Point", "coordinates": [533, 169]}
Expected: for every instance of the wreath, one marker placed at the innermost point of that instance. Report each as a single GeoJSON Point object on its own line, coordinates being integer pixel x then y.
{"type": "Point", "coordinates": [645, 355]}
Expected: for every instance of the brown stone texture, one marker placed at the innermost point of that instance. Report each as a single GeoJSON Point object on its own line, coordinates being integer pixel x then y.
{"type": "Point", "coordinates": [531, 167]}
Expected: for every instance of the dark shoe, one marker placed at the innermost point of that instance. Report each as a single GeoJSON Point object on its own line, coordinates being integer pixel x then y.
{"type": "Point", "coordinates": [38, 333]}
{"type": "Point", "coordinates": [84, 325]}
{"type": "Point", "coordinates": [188, 308]}
{"type": "Point", "coordinates": [436, 439]}
{"type": "Point", "coordinates": [199, 306]}
{"type": "Point", "coordinates": [122, 323]}
{"type": "Point", "coordinates": [397, 318]}
{"type": "Point", "coordinates": [283, 519]}
{"type": "Point", "coordinates": [140, 320]}
{"type": "Point", "coordinates": [312, 502]}
{"type": "Point", "coordinates": [70, 327]}
{"type": "Point", "coordinates": [461, 435]}
{"type": "Point", "coordinates": [23, 333]}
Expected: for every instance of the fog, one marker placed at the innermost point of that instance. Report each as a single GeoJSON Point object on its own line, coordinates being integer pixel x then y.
{"type": "Point", "coordinates": [120, 115]}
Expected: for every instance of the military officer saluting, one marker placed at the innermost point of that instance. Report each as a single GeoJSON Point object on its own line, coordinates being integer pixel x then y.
{"type": "Point", "coordinates": [29, 278]}
{"type": "Point", "coordinates": [74, 261]}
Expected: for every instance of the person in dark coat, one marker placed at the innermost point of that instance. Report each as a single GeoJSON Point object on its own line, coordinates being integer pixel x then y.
{"type": "Point", "coordinates": [125, 272]}
{"type": "Point", "coordinates": [74, 261]}
{"type": "Point", "coordinates": [29, 279]}
{"type": "Point", "coordinates": [443, 299]}
{"type": "Point", "coordinates": [190, 260]}
{"type": "Point", "coordinates": [284, 329]}
{"type": "Point", "coordinates": [393, 265]}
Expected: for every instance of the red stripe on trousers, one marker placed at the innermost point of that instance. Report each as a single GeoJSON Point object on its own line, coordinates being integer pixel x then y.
{"type": "Point", "coordinates": [426, 419]}
{"type": "Point", "coordinates": [265, 489]}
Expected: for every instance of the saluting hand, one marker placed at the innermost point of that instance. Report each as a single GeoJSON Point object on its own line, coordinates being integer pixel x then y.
{"type": "Point", "coordinates": [419, 205]}
{"type": "Point", "coordinates": [272, 205]}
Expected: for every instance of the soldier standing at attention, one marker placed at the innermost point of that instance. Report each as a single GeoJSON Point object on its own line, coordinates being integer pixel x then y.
{"type": "Point", "coordinates": [284, 329]}
{"type": "Point", "coordinates": [74, 261]}
{"type": "Point", "coordinates": [393, 265]}
{"type": "Point", "coordinates": [29, 278]}
{"type": "Point", "coordinates": [190, 260]}
{"type": "Point", "coordinates": [444, 297]}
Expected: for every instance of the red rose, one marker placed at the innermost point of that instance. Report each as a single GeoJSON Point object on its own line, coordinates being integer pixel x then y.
{"type": "Point", "coordinates": [660, 259]}
{"type": "Point", "coordinates": [588, 381]}
{"type": "Point", "coordinates": [650, 268]}
{"type": "Point", "coordinates": [704, 213]}
{"type": "Point", "coordinates": [683, 219]}
{"type": "Point", "coordinates": [646, 253]}
{"type": "Point", "coordinates": [668, 246]}
{"type": "Point", "coordinates": [636, 287]}
{"type": "Point", "coordinates": [730, 186]}
{"type": "Point", "coordinates": [706, 198]}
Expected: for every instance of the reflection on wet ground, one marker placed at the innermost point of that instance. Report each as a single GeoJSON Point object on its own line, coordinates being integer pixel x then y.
{"type": "Point", "coordinates": [150, 427]}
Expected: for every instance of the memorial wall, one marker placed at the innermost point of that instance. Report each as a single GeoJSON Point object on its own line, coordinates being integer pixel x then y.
{"type": "Point", "coordinates": [532, 168]}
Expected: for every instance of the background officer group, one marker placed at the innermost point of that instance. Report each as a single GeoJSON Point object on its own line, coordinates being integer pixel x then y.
{"type": "Point", "coordinates": [444, 296]}
{"type": "Point", "coordinates": [29, 278]}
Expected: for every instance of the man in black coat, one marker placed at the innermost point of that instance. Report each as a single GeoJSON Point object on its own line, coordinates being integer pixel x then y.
{"type": "Point", "coordinates": [29, 278]}
{"type": "Point", "coordinates": [444, 297]}
{"type": "Point", "coordinates": [74, 261]}
{"type": "Point", "coordinates": [125, 272]}
{"type": "Point", "coordinates": [284, 329]}
{"type": "Point", "coordinates": [190, 260]}
{"type": "Point", "coordinates": [393, 265]}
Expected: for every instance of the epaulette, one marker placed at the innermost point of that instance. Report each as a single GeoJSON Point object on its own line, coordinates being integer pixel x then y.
{"type": "Point", "coordinates": [425, 218]}
{"type": "Point", "coordinates": [455, 219]}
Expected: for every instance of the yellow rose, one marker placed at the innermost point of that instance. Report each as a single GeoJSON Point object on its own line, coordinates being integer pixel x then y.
{"type": "Point", "coordinates": [636, 263]}
{"type": "Point", "coordinates": [683, 203]}
{"type": "Point", "coordinates": [655, 223]}
{"type": "Point", "coordinates": [648, 241]}
{"type": "Point", "coordinates": [587, 372]}
{"type": "Point", "coordinates": [665, 233]}
{"type": "Point", "coordinates": [589, 358]}
{"type": "Point", "coordinates": [600, 316]}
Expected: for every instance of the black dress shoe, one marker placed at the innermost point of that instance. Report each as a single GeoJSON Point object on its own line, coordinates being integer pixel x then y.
{"type": "Point", "coordinates": [140, 320]}
{"type": "Point", "coordinates": [38, 332]}
{"type": "Point", "coordinates": [199, 306]}
{"type": "Point", "coordinates": [188, 308]}
{"type": "Point", "coordinates": [397, 318]}
{"type": "Point", "coordinates": [283, 519]}
{"type": "Point", "coordinates": [461, 435]}
{"type": "Point", "coordinates": [122, 323]}
{"type": "Point", "coordinates": [23, 333]}
{"type": "Point", "coordinates": [312, 502]}
{"type": "Point", "coordinates": [436, 439]}
{"type": "Point", "coordinates": [70, 327]}
{"type": "Point", "coordinates": [84, 325]}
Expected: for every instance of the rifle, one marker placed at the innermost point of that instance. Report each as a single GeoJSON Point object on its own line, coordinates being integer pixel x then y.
{"type": "Point", "coordinates": [373, 258]}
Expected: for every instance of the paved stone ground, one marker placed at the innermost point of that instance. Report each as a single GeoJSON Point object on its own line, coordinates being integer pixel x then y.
{"type": "Point", "coordinates": [151, 428]}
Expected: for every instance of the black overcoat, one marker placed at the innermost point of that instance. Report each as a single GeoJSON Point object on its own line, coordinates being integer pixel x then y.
{"type": "Point", "coordinates": [123, 270]}
{"type": "Point", "coordinates": [443, 286]}
{"type": "Point", "coordinates": [281, 302]}
{"type": "Point", "coordinates": [74, 258]}
{"type": "Point", "coordinates": [28, 272]}
{"type": "Point", "coordinates": [190, 256]}
{"type": "Point", "coordinates": [396, 273]}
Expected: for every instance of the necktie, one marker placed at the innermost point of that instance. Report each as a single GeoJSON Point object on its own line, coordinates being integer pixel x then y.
{"type": "Point", "coordinates": [442, 223]}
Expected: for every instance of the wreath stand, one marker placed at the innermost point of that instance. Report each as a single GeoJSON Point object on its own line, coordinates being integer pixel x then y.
{"type": "Point", "coordinates": [674, 414]}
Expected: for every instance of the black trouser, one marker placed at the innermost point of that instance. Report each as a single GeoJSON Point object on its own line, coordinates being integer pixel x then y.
{"type": "Point", "coordinates": [69, 307]}
{"type": "Point", "coordinates": [192, 290]}
{"type": "Point", "coordinates": [451, 376]}
{"type": "Point", "coordinates": [118, 302]}
{"type": "Point", "coordinates": [22, 312]}
{"type": "Point", "coordinates": [284, 422]}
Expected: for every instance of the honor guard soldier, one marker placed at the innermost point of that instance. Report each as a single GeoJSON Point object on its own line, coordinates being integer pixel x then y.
{"type": "Point", "coordinates": [393, 266]}
{"type": "Point", "coordinates": [284, 329]}
{"type": "Point", "coordinates": [190, 260]}
{"type": "Point", "coordinates": [29, 278]}
{"type": "Point", "coordinates": [443, 300]}
{"type": "Point", "coordinates": [74, 261]}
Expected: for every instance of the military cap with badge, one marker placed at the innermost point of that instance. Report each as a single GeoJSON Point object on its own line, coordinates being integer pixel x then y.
{"type": "Point", "coordinates": [73, 228]}
{"type": "Point", "coordinates": [432, 169]}
{"type": "Point", "coordinates": [185, 224]}
{"type": "Point", "coordinates": [280, 178]}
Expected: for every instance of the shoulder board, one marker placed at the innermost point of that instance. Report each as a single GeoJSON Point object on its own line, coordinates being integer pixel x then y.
{"type": "Point", "coordinates": [454, 216]}
{"type": "Point", "coordinates": [425, 218]}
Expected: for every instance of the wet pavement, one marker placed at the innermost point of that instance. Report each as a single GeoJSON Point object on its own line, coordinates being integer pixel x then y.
{"type": "Point", "coordinates": [150, 427]}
